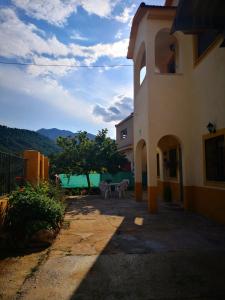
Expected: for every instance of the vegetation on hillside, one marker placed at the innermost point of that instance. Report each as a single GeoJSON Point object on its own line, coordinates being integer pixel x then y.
{"type": "Point", "coordinates": [14, 140]}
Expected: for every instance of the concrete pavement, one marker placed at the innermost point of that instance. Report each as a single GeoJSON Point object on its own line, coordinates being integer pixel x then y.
{"type": "Point", "coordinates": [113, 249]}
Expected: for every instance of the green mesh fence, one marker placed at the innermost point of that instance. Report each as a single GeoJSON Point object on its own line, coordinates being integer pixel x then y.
{"type": "Point", "coordinates": [80, 181]}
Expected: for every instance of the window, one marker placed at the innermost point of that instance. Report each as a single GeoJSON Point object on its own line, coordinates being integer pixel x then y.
{"type": "Point", "coordinates": [215, 158]}
{"type": "Point", "coordinates": [173, 163]}
{"type": "Point", "coordinates": [123, 134]}
{"type": "Point", "coordinates": [203, 41]}
{"type": "Point", "coordinates": [158, 165]}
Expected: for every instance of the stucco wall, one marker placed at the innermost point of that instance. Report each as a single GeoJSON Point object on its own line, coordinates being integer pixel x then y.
{"type": "Point", "coordinates": [208, 93]}
{"type": "Point", "coordinates": [127, 124]}
{"type": "Point", "coordinates": [181, 105]}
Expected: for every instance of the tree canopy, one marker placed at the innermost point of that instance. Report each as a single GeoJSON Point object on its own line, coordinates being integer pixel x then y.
{"type": "Point", "coordinates": [80, 155]}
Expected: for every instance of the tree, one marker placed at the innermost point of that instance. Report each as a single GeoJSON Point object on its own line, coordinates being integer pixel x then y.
{"type": "Point", "coordinates": [82, 156]}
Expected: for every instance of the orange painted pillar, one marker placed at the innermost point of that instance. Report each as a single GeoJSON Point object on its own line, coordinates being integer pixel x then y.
{"type": "Point", "coordinates": [138, 191]}
{"type": "Point", "coordinates": [32, 173]}
{"type": "Point", "coordinates": [42, 167]}
{"type": "Point", "coordinates": [152, 199]}
{"type": "Point", "coordinates": [46, 168]}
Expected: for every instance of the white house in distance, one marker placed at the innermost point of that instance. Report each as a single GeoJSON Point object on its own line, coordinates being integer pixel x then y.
{"type": "Point", "coordinates": [125, 140]}
{"type": "Point", "coordinates": [179, 103]}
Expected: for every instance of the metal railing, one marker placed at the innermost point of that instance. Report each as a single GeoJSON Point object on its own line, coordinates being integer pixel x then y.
{"type": "Point", "coordinates": [12, 172]}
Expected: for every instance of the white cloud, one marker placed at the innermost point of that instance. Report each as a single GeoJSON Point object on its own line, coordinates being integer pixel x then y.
{"type": "Point", "coordinates": [126, 15]}
{"type": "Point", "coordinates": [118, 34]}
{"type": "Point", "coordinates": [46, 68]}
{"type": "Point", "coordinates": [47, 91]}
{"type": "Point", "coordinates": [121, 107]}
{"type": "Point", "coordinates": [102, 8]}
{"type": "Point", "coordinates": [56, 12]}
{"type": "Point", "coordinates": [22, 41]}
{"type": "Point", "coordinates": [77, 36]}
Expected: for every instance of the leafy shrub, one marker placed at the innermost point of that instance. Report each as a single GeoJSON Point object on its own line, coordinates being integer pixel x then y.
{"type": "Point", "coordinates": [50, 190]}
{"type": "Point", "coordinates": [31, 209]}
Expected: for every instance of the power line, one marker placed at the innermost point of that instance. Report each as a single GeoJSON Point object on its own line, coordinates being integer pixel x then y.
{"type": "Point", "coordinates": [63, 65]}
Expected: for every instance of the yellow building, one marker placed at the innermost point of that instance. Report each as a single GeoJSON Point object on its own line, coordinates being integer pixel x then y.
{"type": "Point", "coordinates": [179, 104]}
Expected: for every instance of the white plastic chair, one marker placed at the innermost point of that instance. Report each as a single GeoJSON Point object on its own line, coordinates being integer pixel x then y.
{"type": "Point", "coordinates": [126, 180]}
{"type": "Point", "coordinates": [121, 188]}
{"type": "Point", "coordinates": [105, 189]}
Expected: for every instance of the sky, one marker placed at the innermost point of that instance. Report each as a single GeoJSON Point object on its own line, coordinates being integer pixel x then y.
{"type": "Point", "coordinates": [66, 33]}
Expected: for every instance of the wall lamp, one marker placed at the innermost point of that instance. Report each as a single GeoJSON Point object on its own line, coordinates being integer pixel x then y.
{"type": "Point", "coordinates": [211, 127]}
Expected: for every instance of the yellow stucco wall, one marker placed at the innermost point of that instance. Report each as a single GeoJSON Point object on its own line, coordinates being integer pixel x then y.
{"type": "Point", "coordinates": [181, 105]}
{"type": "Point", "coordinates": [46, 168]}
{"type": "Point", "coordinates": [37, 167]}
{"type": "Point", "coordinates": [207, 201]}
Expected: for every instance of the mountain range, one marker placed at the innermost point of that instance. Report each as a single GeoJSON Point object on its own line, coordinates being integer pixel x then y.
{"type": "Point", "coordinates": [54, 133]}
{"type": "Point", "coordinates": [15, 140]}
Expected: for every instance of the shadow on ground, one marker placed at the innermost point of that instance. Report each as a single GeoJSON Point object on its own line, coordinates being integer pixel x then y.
{"type": "Point", "coordinates": [172, 255]}
{"type": "Point", "coordinates": [113, 249]}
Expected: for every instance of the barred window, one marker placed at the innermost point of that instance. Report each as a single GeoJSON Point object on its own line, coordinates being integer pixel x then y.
{"type": "Point", "coordinates": [215, 158]}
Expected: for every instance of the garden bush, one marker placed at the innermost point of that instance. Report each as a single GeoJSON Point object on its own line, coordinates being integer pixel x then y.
{"type": "Point", "coordinates": [31, 209]}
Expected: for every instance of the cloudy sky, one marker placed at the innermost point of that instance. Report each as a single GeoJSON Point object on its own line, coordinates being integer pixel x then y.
{"type": "Point", "coordinates": [65, 33]}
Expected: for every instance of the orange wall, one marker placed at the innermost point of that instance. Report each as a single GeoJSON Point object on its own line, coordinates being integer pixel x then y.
{"type": "Point", "coordinates": [209, 202]}
{"type": "Point", "coordinates": [37, 166]}
{"type": "Point", "coordinates": [46, 168]}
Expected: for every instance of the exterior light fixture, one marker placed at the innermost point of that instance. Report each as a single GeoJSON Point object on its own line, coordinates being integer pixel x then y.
{"type": "Point", "coordinates": [211, 127]}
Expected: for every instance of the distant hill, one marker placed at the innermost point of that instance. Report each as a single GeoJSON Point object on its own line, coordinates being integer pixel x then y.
{"type": "Point", "coordinates": [14, 140]}
{"type": "Point", "coordinates": [54, 133]}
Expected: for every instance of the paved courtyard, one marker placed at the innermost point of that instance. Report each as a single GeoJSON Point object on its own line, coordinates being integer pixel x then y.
{"type": "Point", "coordinates": [113, 249]}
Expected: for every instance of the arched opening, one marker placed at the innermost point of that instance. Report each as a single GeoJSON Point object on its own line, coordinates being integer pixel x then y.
{"type": "Point", "coordinates": [166, 53]}
{"type": "Point", "coordinates": [142, 69]}
{"type": "Point", "coordinates": [170, 180]}
{"type": "Point", "coordinates": [141, 171]}
{"type": "Point", "coordinates": [140, 66]}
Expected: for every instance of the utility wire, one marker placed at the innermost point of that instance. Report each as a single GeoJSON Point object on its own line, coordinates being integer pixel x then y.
{"type": "Point", "coordinates": [62, 65]}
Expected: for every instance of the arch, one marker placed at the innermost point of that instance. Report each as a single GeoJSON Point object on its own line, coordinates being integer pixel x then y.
{"type": "Point", "coordinates": [140, 64]}
{"type": "Point", "coordinates": [171, 179]}
{"type": "Point", "coordinates": [166, 52]}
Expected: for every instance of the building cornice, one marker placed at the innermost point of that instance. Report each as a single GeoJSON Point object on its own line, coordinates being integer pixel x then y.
{"type": "Point", "coordinates": [124, 148]}
{"type": "Point", "coordinates": [155, 12]}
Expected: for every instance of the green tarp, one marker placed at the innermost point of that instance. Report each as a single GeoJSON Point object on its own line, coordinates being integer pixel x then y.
{"type": "Point", "coordinates": [80, 181]}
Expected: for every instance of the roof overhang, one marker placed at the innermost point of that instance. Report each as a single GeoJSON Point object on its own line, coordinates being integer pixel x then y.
{"type": "Point", "coordinates": [154, 12]}
{"type": "Point", "coordinates": [124, 120]}
{"type": "Point", "coordinates": [195, 16]}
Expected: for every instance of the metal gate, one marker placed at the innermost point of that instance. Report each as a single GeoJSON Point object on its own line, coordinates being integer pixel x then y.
{"type": "Point", "coordinates": [12, 172]}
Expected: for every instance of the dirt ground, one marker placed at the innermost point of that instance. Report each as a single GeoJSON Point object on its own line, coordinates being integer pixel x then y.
{"type": "Point", "coordinates": [113, 249]}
